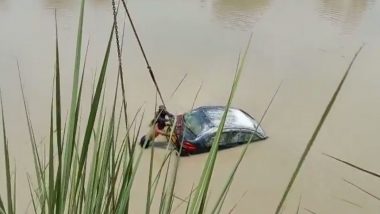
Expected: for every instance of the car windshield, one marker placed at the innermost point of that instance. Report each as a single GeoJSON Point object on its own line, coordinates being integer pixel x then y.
{"type": "Point", "coordinates": [196, 122]}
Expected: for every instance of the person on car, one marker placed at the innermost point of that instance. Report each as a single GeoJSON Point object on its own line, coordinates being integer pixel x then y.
{"type": "Point", "coordinates": [161, 119]}
{"type": "Point", "coordinates": [158, 125]}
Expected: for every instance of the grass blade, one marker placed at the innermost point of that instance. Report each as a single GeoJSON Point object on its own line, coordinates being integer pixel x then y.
{"type": "Point", "coordinates": [36, 156]}
{"type": "Point", "coordinates": [51, 194]}
{"type": "Point", "coordinates": [361, 189]}
{"type": "Point", "coordinates": [2, 208]}
{"type": "Point", "coordinates": [163, 192]}
{"type": "Point", "coordinates": [122, 204]}
{"type": "Point", "coordinates": [236, 204]}
{"type": "Point", "coordinates": [149, 191]}
{"type": "Point", "coordinates": [58, 91]}
{"type": "Point", "coordinates": [73, 107]}
{"type": "Point", "coordinates": [123, 201]}
{"type": "Point", "coordinates": [352, 165]}
{"type": "Point", "coordinates": [196, 96]}
{"type": "Point", "coordinates": [14, 192]}
{"type": "Point", "coordinates": [158, 176]}
{"type": "Point", "coordinates": [315, 133]}
{"type": "Point", "coordinates": [92, 183]}
{"type": "Point", "coordinates": [76, 128]}
{"type": "Point", "coordinates": [31, 195]}
{"type": "Point", "coordinates": [191, 193]}
{"type": "Point", "coordinates": [111, 199]}
{"type": "Point", "coordinates": [179, 84]}
{"type": "Point", "coordinates": [220, 200]}
{"type": "Point", "coordinates": [93, 111]}
{"type": "Point", "coordinates": [108, 159]}
{"type": "Point", "coordinates": [58, 116]}
{"type": "Point", "coordinates": [200, 195]}
{"type": "Point", "coordinates": [349, 202]}
{"type": "Point", "coordinates": [299, 204]}
{"type": "Point", "coordinates": [143, 52]}
{"type": "Point", "coordinates": [169, 197]}
{"type": "Point", "coordinates": [104, 165]}
{"type": "Point", "coordinates": [73, 192]}
{"type": "Point", "coordinates": [309, 211]}
{"type": "Point", "coordinates": [6, 160]}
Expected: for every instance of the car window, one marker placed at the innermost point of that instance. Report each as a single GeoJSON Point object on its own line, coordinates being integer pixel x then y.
{"type": "Point", "coordinates": [243, 137]}
{"type": "Point", "coordinates": [188, 134]}
{"type": "Point", "coordinates": [196, 122]}
{"type": "Point", "coordinates": [224, 139]}
{"type": "Point", "coordinates": [235, 137]}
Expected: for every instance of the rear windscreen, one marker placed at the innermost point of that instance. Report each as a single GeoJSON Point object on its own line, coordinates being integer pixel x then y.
{"type": "Point", "coordinates": [235, 118]}
{"type": "Point", "coordinates": [196, 122]}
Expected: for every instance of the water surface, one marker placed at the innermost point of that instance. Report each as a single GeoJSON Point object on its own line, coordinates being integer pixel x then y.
{"type": "Point", "coordinates": [307, 44]}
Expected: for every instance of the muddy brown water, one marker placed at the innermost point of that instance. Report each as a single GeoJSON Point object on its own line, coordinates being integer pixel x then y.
{"type": "Point", "coordinates": [307, 44]}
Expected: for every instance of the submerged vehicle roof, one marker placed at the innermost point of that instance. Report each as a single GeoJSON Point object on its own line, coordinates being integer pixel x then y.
{"type": "Point", "coordinates": [208, 118]}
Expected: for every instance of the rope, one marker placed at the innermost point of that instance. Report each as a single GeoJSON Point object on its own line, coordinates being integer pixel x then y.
{"type": "Point", "coordinates": [143, 53]}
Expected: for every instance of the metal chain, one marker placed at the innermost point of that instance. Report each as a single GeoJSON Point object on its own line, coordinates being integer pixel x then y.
{"type": "Point", "coordinates": [120, 74]}
{"type": "Point", "coordinates": [116, 32]}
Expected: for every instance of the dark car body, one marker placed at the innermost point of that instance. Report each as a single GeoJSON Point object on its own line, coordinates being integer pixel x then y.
{"type": "Point", "coordinates": [196, 129]}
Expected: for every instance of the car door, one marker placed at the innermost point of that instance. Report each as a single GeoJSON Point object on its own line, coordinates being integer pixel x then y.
{"type": "Point", "coordinates": [232, 138]}
{"type": "Point", "coordinates": [223, 141]}
{"type": "Point", "coordinates": [240, 137]}
{"type": "Point", "coordinates": [235, 137]}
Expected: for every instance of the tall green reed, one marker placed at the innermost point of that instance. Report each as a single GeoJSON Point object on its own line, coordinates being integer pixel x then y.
{"type": "Point", "coordinates": [11, 202]}
{"type": "Point", "coordinates": [200, 196]}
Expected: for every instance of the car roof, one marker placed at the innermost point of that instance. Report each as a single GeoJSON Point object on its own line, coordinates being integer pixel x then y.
{"type": "Point", "coordinates": [236, 118]}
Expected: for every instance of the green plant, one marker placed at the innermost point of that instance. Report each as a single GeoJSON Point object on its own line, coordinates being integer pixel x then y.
{"type": "Point", "coordinates": [11, 200]}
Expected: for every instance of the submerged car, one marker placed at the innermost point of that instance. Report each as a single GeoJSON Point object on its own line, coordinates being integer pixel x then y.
{"type": "Point", "coordinates": [196, 130]}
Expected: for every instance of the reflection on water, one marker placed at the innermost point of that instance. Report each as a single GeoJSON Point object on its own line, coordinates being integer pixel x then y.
{"type": "Point", "coordinates": [58, 3]}
{"type": "Point", "coordinates": [3, 5]}
{"type": "Point", "coordinates": [61, 4]}
{"type": "Point", "coordinates": [240, 14]}
{"type": "Point", "coordinates": [347, 13]}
